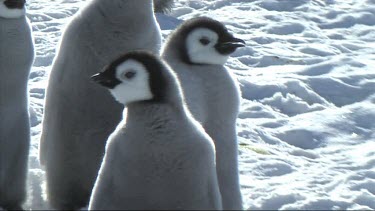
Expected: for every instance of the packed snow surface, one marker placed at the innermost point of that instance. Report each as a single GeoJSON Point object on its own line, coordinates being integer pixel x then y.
{"type": "Point", "coordinates": [307, 124]}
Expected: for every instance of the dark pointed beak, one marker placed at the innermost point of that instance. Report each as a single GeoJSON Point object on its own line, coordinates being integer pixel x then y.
{"type": "Point", "coordinates": [101, 79]}
{"type": "Point", "coordinates": [15, 4]}
{"type": "Point", "coordinates": [230, 46]}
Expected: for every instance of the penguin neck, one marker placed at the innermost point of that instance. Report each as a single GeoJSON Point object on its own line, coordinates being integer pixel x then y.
{"type": "Point", "coordinates": [155, 115]}
{"type": "Point", "coordinates": [167, 106]}
{"type": "Point", "coordinates": [173, 50]}
{"type": "Point", "coordinates": [12, 22]}
{"type": "Point", "coordinates": [124, 8]}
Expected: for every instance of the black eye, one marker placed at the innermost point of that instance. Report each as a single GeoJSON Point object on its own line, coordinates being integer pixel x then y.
{"type": "Point", "coordinates": [130, 74]}
{"type": "Point", "coordinates": [204, 41]}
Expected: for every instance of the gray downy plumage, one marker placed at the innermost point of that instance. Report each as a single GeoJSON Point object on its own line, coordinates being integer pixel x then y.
{"type": "Point", "coordinates": [16, 58]}
{"type": "Point", "coordinates": [211, 92]}
{"type": "Point", "coordinates": [159, 157]}
{"type": "Point", "coordinates": [163, 6]}
{"type": "Point", "coordinates": [79, 116]}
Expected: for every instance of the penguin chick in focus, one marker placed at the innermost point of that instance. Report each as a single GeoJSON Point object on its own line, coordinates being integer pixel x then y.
{"type": "Point", "coordinates": [197, 52]}
{"type": "Point", "coordinates": [16, 58]}
{"type": "Point", "coordinates": [159, 157]}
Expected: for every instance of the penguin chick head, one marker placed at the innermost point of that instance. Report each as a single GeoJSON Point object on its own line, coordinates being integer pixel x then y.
{"type": "Point", "coordinates": [206, 41]}
{"type": "Point", "coordinates": [12, 8]}
{"type": "Point", "coordinates": [133, 77]}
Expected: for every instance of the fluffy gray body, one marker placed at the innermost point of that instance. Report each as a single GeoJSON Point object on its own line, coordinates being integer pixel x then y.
{"type": "Point", "coordinates": [159, 158]}
{"type": "Point", "coordinates": [213, 97]}
{"type": "Point", "coordinates": [16, 58]}
{"type": "Point", "coordinates": [159, 161]}
{"type": "Point", "coordinates": [79, 116]}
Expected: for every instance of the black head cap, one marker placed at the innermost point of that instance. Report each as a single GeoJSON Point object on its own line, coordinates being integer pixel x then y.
{"type": "Point", "coordinates": [15, 4]}
{"type": "Point", "coordinates": [153, 65]}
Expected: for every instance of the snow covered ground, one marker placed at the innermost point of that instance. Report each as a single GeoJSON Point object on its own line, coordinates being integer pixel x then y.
{"type": "Point", "coordinates": [307, 122]}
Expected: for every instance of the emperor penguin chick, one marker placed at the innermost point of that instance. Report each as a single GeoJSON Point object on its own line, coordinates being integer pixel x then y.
{"type": "Point", "coordinates": [159, 157]}
{"type": "Point", "coordinates": [197, 52]}
{"type": "Point", "coordinates": [76, 121]}
{"type": "Point", "coordinates": [16, 58]}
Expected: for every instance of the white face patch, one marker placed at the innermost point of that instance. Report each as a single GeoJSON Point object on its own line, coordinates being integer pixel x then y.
{"type": "Point", "coordinates": [5, 12]}
{"type": "Point", "coordinates": [200, 45]}
{"type": "Point", "coordinates": [134, 85]}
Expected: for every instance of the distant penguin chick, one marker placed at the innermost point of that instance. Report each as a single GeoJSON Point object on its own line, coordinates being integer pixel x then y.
{"type": "Point", "coordinates": [12, 8]}
{"type": "Point", "coordinates": [197, 52]}
{"type": "Point", "coordinates": [203, 41]}
{"type": "Point", "coordinates": [159, 157]}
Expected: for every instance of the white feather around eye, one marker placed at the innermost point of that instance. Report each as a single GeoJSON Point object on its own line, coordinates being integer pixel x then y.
{"type": "Point", "coordinates": [134, 85]}
{"type": "Point", "coordinates": [7, 13]}
{"type": "Point", "coordinates": [200, 45]}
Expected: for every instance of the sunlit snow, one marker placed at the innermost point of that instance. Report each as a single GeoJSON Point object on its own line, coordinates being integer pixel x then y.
{"type": "Point", "coordinates": [307, 122]}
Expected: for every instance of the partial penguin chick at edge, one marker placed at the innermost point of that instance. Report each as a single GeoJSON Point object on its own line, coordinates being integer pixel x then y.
{"type": "Point", "coordinates": [16, 58]}
{"type": "Point", "coordinates": [197, 52]}
{"type": "Point", "coordinates": [12, 9]}
{"type": "Point", "coordinates": [159, 157]}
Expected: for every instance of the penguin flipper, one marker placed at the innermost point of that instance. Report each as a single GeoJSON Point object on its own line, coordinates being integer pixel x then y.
{"type": "Point", "coordinates": [163, 6]}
